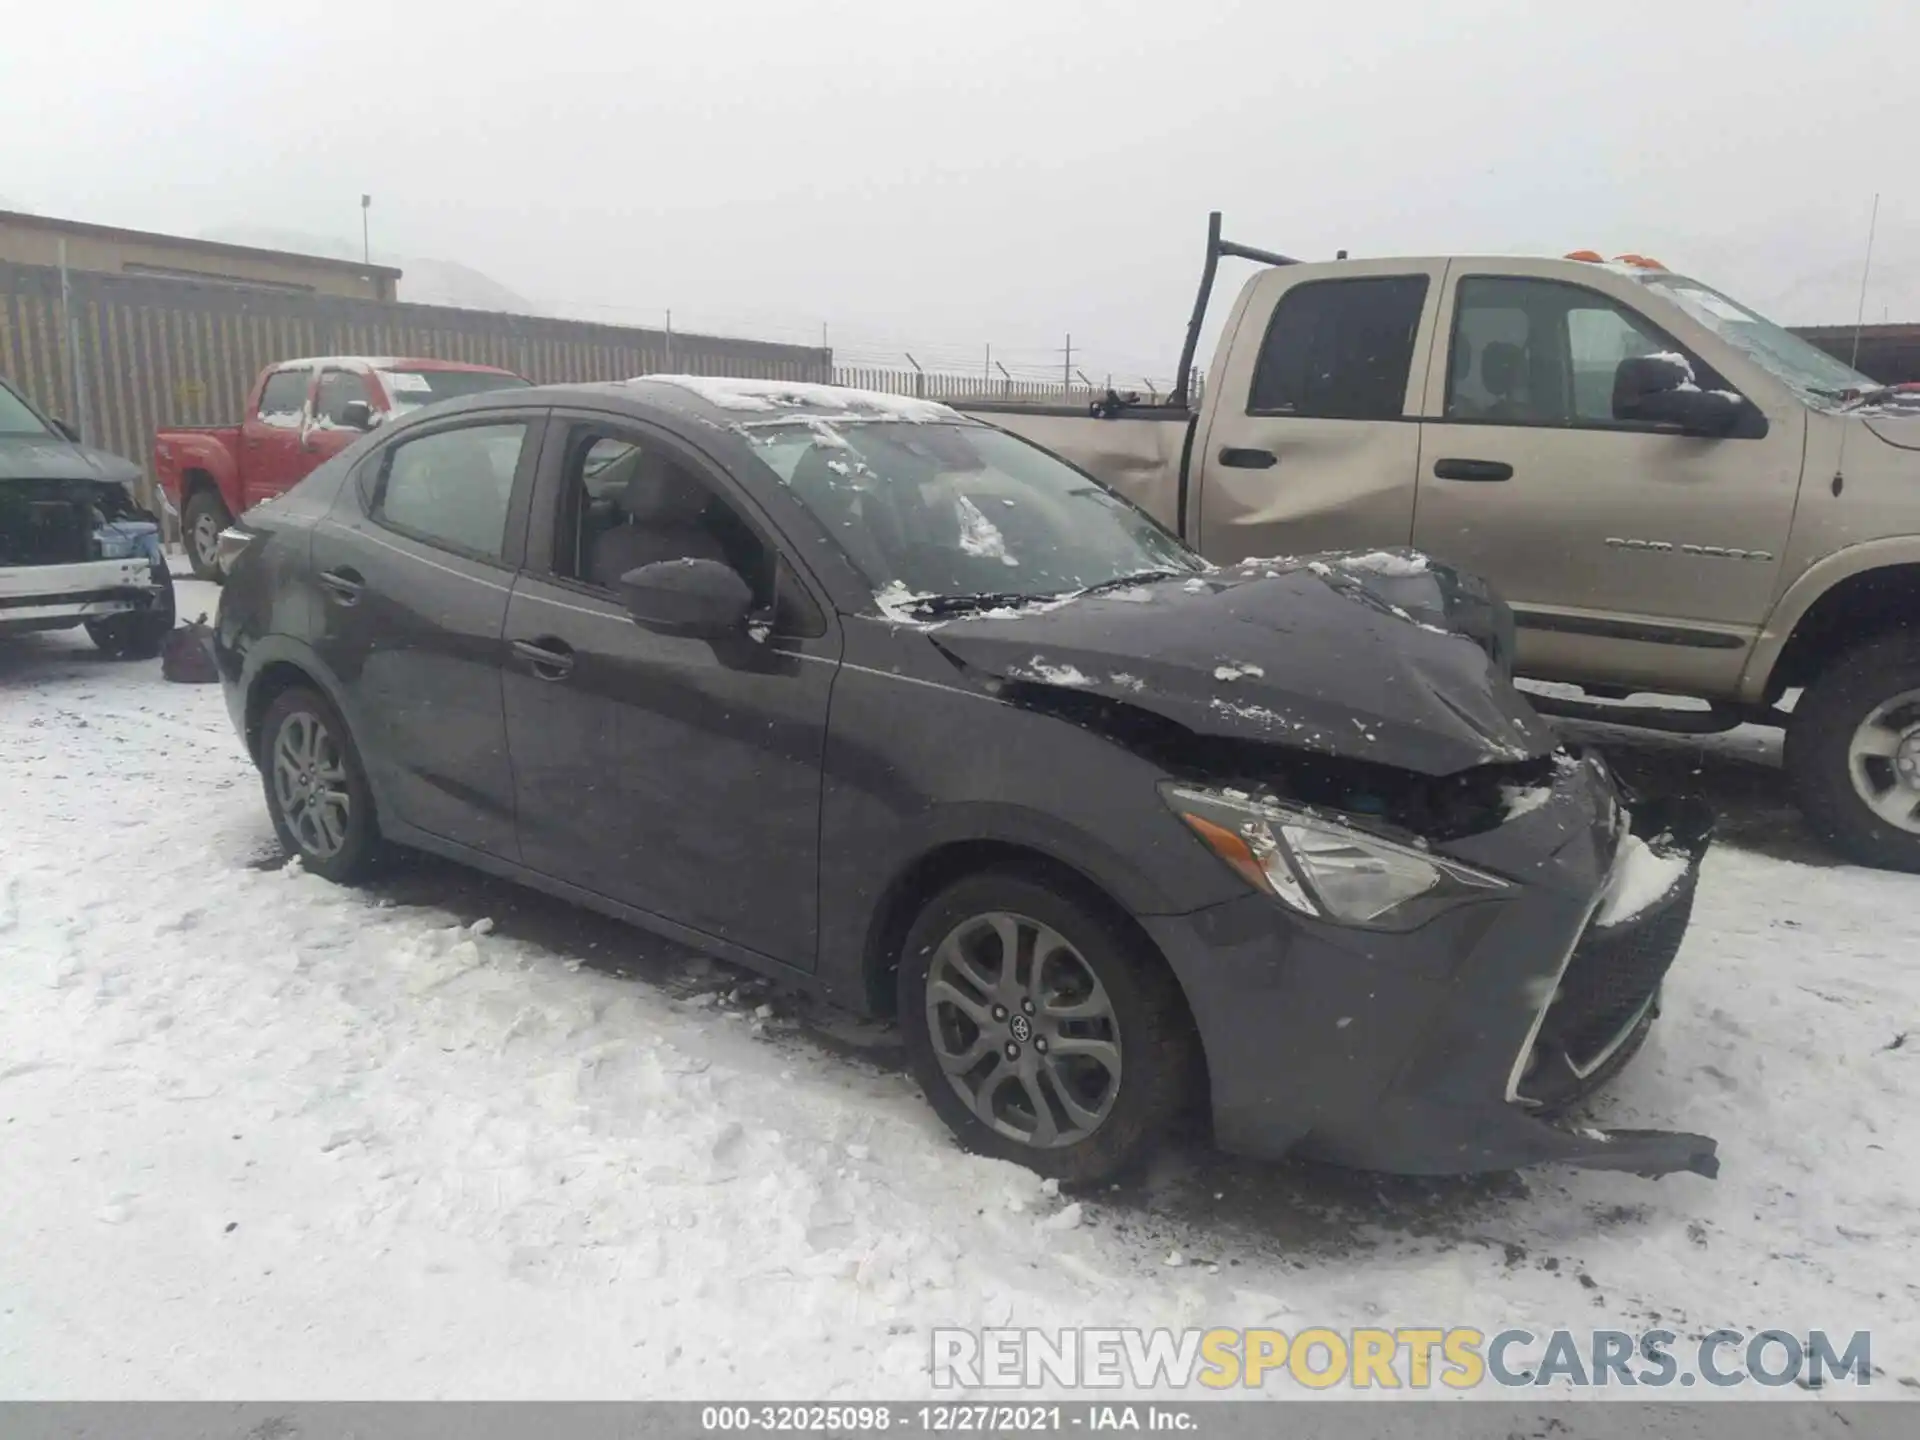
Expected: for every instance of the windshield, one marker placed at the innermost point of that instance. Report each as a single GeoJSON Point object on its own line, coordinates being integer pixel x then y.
{"type": "Point", "coordinates": [1808, 370]}
{"type": "Point", "coordinates": [410, 389]}
{"type": "Point", "coordinates": [17, 417]}
{"type": "Point", "coordinates": [960, 511]}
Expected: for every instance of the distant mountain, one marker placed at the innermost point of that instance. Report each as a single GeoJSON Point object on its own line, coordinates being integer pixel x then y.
{"type": "Point", "coordinates": [422, 282]}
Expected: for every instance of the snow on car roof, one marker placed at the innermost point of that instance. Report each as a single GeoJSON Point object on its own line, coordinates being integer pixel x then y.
{"type": "Point", "coordinates": [381, 362]}
{"type": "Point", "coordinates": [773, 397]}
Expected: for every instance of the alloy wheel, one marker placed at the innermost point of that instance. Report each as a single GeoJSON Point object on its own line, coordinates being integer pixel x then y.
{"type": "Point", "coordinates": [310, 784]}
{"type": "Point", "coordinates": [1883, 761]}
{"type": "Point", "coordinates": [1023, 1030]}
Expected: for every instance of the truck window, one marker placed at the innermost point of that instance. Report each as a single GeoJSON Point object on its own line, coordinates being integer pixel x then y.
{"type": "Point", "coordinates": [337, 388]}
{"type": "Point", "coordinates": [1542, 352]}
{"type": "Point", "coordinates": [283, 399]}
{"type": "Point", "coordinates": [1340, 349]}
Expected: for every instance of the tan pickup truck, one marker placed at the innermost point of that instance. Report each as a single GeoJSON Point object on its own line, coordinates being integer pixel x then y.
{"type": "Point", "coordinates": [1677, 496]}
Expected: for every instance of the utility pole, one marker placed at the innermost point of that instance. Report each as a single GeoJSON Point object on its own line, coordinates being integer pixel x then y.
{"type": "Point", "coordinates": [76, 369]}
{"type": "Point", "coordinates": [366, 234]}
{"type": "Point", "coordinates": [986, 370]}
{"type": "Point", "coordinates": [670, 342]}
{"type": "Point", "coordinates": [1066, 368]}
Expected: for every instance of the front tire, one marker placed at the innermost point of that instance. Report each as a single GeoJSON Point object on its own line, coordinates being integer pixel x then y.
{"type": "Point", "coordinates": [205, 517]}
{"type": "Point", "coordinates": [1853, 754]}
{"type": "Point", "coordinates": [317, 791]}
{"type": "Point", "coordinates": [138, 634]}
{"type": "Point", "coordinates": [1041, 1030]}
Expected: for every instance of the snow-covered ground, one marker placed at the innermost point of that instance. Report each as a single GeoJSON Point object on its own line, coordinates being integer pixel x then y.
{"type": "Point", "coordinates": [262, 1137]}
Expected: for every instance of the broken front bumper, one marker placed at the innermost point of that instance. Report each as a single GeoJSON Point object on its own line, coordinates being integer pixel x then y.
{"type": "Point", "coordinates": [1450, 1049]}
{"type": "Point", "coordinates": [42, 596]}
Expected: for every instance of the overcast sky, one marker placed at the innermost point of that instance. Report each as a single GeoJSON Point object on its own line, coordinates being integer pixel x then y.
{"type": "Point", "coordinates": [937, 177]}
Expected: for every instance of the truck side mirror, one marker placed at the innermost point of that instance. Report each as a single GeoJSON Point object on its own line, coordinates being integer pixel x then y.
{"type": "Point", "coordinates": [357, 415]}
{"type": "Point", "coordinates": [1660, 390]}
{"type": "Point", "coordinates": [65, 429]}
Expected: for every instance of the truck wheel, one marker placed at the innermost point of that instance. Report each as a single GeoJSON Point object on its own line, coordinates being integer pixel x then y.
{"type": "Point", "coordinates": [138, 634]}
{"type": "Point", "coordinates": [1042, 1032]}
{"type": "Point", "coordinates": [206, 516]}
{"type": "Point", "coordinates": [317, 792]}
{"type": "Point", "coordinates": [1853, 753]}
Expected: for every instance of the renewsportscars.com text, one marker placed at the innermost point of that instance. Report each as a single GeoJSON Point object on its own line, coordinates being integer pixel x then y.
{"type": "Point", "coordinates": [1408, 1358]}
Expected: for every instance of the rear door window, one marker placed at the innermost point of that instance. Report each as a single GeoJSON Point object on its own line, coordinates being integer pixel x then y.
{"type": "Point", "coordinates": [1340, 349]}
{"type": "Point", "coordinates": [453, 488]}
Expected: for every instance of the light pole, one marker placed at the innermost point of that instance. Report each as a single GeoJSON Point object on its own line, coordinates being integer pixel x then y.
{"type": "Point", "coordinates": [366, 245]}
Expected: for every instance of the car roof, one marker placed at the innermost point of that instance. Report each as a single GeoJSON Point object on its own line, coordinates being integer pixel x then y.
{"type": "Point", "coordinates": [733, 404]}
{"type": "Point", "coordinates": [383, 362]}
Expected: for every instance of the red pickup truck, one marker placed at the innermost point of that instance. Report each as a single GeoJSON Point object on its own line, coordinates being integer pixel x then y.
{"type": "Point", "coordinates": [299, 414]}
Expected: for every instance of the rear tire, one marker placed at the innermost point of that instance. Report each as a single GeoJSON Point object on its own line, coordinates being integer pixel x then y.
{"type": "Point", "coordinates": [138, 634]}
{"type": "Point", "coordinates": [205, 517]}
{"type": "Point", "coordinates": [1853, 753]}
{"type": "Point", "coordinates": [1073, 1058]}
{"type": "Point", "coordinates": [317, 791]}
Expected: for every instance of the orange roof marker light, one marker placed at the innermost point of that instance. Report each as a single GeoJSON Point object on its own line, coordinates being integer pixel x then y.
{"type": "Point", "coordinates": [1638, 262]}
{"type": "Point", "coordinates": [1592, 257]}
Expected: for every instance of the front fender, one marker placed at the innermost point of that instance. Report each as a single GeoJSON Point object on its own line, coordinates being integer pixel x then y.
{"type": "Point", "coordinates": [1804, 593]}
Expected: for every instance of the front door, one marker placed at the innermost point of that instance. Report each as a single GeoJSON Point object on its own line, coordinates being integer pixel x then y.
{"type": "Point", "coordinates": [272, 453]}
{"type": "Point", "coordinates": [1626, 552]}
{"type": "Point", "coordinates": [1308, 446]}
{"type": "Point", "coordinates": [328, 432]}
{"type": "Point", "coordinates": [413, 568]}
{"type": "Point", "coordinates": [679, 776]}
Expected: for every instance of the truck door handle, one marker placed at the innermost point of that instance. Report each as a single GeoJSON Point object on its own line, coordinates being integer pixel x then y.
{"type": "Point", "coordinates": [344, 584]}
{"type": "Point", "coordinates": [551, 659]}
{"type": "Point", "coordinates": [1248, 459]}
{"type": "Point", "coordinates": [1472, 470]}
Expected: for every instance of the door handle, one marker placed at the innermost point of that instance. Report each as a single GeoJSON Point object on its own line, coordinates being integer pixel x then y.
{"type": "Point", "coordinates": [551, 659]}
{"type": "Point", "coordinates": [1472, 470]}
{"type": "Point", "coordinates": [1248, 459]}
{"type": "Point", "coordinates": [343, 584]}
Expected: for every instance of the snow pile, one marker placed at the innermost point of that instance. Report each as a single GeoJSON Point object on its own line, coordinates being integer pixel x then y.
{"type": "Point", "coordinates": [979, 535]}
{"type": "Point", "coordinates": [1641, 878]}
{"type": "Point", "coordinates": [897, 602]}
{"type": "Point", "coordinates": [1237, 670]}
{"type": "Point", "coordinates": [1402, 565]}
{"type": "Point", "coordinates": [1518, 800]}
{"type": "Point", "coordinates": [1041, 672]}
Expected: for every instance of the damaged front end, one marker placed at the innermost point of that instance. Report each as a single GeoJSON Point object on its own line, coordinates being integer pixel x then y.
{"type": "Point", "coordinates": [1455, 931]}
{"type": "Point", "coordinates": [77, 550]}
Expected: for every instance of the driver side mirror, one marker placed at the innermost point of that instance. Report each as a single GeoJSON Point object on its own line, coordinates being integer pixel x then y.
{"type": "Point", "coordinates": [1660, 390]}
{"type": "Point", "coordinates": [65, 429]}
{"type": "Point", "coordinates": [700, 598]}
{"type": "Point", "coordinates": [357, 415]}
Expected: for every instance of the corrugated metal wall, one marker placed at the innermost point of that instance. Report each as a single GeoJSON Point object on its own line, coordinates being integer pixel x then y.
{"type": "Point", "coordinates": [156, 352]}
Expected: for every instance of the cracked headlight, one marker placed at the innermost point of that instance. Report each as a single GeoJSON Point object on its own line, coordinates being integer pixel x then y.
{"type": "Point", "coordinates": [1322, 868]}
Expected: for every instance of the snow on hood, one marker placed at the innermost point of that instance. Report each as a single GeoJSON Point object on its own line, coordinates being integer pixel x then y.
{"type": "Point", "coordinates": [1308, 656]}
{"type": "Point", "coordinates": [782, 397]}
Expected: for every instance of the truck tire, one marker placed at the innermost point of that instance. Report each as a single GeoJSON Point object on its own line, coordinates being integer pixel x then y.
{"type": "Point", "coordinates": [138, 634]}
{"type": "Point", "coordinates": [1076, 1068]}
{"type": "Point", "coordinates": [1853, 753]}
{"type": "Point", "coordinates": [205, 517]}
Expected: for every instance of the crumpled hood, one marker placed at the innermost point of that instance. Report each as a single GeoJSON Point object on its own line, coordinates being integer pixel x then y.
{"type": "Point", "coordinates": [1327, 655]}
{"type": "Point", "coordinates": [33, 457]}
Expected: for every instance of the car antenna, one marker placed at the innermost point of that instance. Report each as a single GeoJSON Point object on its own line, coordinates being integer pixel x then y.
{"type": "Point", "coordinates": [1859, 324]}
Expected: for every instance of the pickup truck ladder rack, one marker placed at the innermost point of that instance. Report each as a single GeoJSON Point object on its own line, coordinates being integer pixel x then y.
{"type": "Point", "coordinates": [1216, 249]}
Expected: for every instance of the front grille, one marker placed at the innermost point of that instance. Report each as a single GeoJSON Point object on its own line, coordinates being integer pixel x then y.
{"type": "Point", "coordinates": [1613, 974]}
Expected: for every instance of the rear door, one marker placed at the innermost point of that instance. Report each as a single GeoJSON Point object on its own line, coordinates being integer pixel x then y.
{"type": "Point", "coordinates": [272, 454]}
{"type": "Point", "coordinates": [1307, 443]}
{"type": "Point", "coordinates": [416, 562]}
{"type": "Point", "coordinates": [1628, 552]}
{"type": "Point", "coordinates": [679, 776]}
